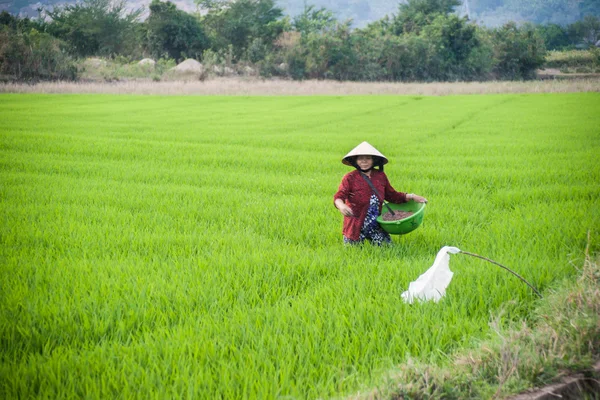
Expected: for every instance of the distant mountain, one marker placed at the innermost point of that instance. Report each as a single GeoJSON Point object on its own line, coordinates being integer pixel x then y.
{"type": "Point", "coordinates": [363, 12]}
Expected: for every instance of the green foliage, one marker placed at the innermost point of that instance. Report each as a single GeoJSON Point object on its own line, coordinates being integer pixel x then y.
{"type": "Point", "coordinates": [449, 48]}
{"type": "Point", "coordinates": [329, 55]}
{"type": "Point", "coordinates": [257, 51]}
{"type": "Point", "coordinates": [21, 24]}
{"type": "Point", "coordinates": [415, 14]}
{"type": "Point", "coordinates": [173, 33]}
{"type": "Point", "coordinates": [367, 51]}
{"type": "Point", "coordinates": [555, 36]}
{"type": "Point", "coordinates": [96, 27]}
{"type": "Point", "coordinates": [381, 27]}
{"type": "Point", "coordinates": [240, 22]}
{"type": "Point", "coordinates": [453, 42]}
{"type": "Point", "coordinates": [313, 20]}
{"type": "Point", "coordinates": [406, 58]}
{"type": "Point", "coordinates": [586, 31]}
{"type": "Point", "coordinates": [518, 52]}
{"type": "Point", "coordinates": [296, 61]}
{"type": "Point", "coordinates": [33, 56]}
{"type": "Point", "coordinates": [424, 42]}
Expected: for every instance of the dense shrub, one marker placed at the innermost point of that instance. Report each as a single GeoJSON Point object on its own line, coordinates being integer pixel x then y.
{"type": "Point", "coordinates": [406, 58]}
{"type": "Point", "coordinates": [33, 56]}
{"type": "Point", "coordinates": [238, 23]}
{"type": "Point", "coordinates": [329, 55]}
{"type": "Point", "coordinates": [454, 43]}
{"type": "Point", "coordinates": [96, 28]}
{"type": "Point", "coordinates": [414, 15]}
{"type": "Point", "coordinates": [518, 52]}
{"type": "Point", "coordinates": [367, 56]}
{"type": "Point", "coordinates": [585, 32]}
{"type": "Point", "coordinates": [555, 36]}
{"type": "Point", "coordinates": [173, 33]}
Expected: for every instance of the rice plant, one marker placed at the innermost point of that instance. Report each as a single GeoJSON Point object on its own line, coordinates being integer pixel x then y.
{"type": "Point", "coordinates": [188, 247]}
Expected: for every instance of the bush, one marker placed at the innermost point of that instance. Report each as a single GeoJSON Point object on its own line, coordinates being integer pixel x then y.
{"type": "Point", "coordinates": [173, 33]}
{"type": "Point", "coordinates": [406, 58]}
{"type": "Point", "coordinates": [555, 36]}
{"type": "Point", "coordinates": [297, 65]}
{"type": "Point", "coordinates": [33, 56]}
{"type": "Point", "coordinates": [518, 52]}
{"type": "Point", "coordinates": [96, 28]}
{"type": "Point", "coordinates": [457, 49]}
{"type": "Point", "coordinates": [367, 53]}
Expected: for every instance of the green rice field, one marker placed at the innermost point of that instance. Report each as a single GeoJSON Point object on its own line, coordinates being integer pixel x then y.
{"type": "Point", "coordinates": [188, 247]}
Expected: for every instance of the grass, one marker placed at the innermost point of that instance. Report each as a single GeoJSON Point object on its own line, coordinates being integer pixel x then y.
{"type": "Point", "coordinates": [188, 246]}
{"type": "Point", "coordinates": [254, 87]}
{"type": "Point", "coordinates": [563, 336]}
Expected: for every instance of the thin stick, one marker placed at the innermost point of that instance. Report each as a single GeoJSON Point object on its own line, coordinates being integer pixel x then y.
{"type": "Point", "coordinates": [508, 269]}
{"type": "Point", "coordinates": [389, 208]}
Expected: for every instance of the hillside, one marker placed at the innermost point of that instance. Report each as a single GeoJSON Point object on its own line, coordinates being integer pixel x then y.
{"type": "Point", "coordinates": [362, 12]}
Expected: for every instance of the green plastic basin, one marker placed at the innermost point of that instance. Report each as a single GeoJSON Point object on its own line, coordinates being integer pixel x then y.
{"type": "Point", "coordinates": [406, 225]}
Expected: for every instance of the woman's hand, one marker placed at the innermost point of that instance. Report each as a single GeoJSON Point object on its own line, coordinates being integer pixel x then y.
{"type": "Point", "coordinates": [417, 198]}
{"type": "Point", "coordinates": [344, 209]}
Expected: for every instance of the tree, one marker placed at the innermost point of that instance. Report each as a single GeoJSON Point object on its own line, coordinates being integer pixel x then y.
{"type": "Point", "coordinates": [21, 24]}
{"type": "Point", "coordinates": [586, 31]}
{"type": "Point", "coordinates": [415, 14]}
{"type": "Point", "coordinates": [30, 55]}
{"type": "Point", "coordinates": [380, 27]}
{"type": "Point", "coordinates": [96, 27]}
{"type": "Point", "coordinates": [518, 52]}
{"type": "Point", "coordinates": [314, 20]}
{"type": "Point", "coordinates": [173, 33]}
{"type": "Point", "coordinates": [328, 54]}
{"type": "Point", "coordinates": [454, 42]}
{"type": "Point", "coordinates": [240, 22]}
{"type": "Point", "coordinates": [555, 36]}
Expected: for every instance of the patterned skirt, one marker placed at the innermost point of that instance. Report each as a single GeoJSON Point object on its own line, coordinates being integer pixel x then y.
{"type": "Point", "coordinates": [371, 230]}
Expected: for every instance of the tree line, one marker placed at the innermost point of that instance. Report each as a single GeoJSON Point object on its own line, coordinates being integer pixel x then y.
{"type": "Point", "coordinates": [424, 41]}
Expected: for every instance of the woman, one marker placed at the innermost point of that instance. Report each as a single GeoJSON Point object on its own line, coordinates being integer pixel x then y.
{"type": "Point", "coordinates": [359, 203]}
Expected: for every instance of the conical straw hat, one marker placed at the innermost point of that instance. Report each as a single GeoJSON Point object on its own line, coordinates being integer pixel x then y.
{"type": "Point", "coordinates": [364, 149]}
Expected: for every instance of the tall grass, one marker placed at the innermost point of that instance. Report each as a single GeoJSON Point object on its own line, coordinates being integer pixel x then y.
{"type": "Point", "coordinates": [256, 87]}
{"type": "Point", "coordinates": [188, 246]}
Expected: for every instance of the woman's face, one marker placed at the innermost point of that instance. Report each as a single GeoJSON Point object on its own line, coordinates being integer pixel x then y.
{"type": "Point", "coordinates": [364, 162]}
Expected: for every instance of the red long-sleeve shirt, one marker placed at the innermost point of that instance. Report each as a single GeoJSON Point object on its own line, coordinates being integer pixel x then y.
{"type": "Point", "coordinates": [356, 193]}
